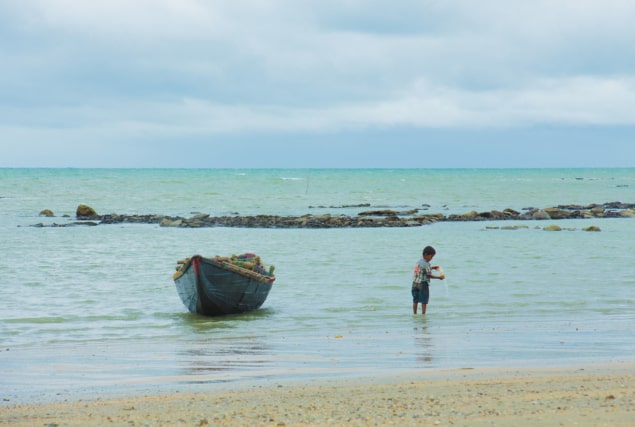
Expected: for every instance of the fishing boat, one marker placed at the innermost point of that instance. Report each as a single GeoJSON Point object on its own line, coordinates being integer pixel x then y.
{"type": "Point", "coordinates": [223, 285]}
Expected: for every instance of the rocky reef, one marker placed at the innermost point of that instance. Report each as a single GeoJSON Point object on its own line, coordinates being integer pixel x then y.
{"type": "Point", "coordinates": [86, 215]}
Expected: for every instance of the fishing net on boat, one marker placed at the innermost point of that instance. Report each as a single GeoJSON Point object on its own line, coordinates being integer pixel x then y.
{"type": "Point", "coordinates": [247, 264]}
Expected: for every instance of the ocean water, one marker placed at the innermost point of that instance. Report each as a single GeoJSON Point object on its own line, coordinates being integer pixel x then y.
{"type": "Point", "coordinates": [88, 311]}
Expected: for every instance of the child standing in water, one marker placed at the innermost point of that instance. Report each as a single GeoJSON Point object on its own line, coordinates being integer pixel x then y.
{"type": "Point", "coordinates": [421, 280]}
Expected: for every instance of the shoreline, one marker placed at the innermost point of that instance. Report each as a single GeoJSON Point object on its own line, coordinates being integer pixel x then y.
{"type": "Point", "coordinates": [584, 395]}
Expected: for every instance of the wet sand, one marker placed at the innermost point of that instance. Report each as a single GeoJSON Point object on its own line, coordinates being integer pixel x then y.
{"type": "Point", "coordinates": [572, 396]}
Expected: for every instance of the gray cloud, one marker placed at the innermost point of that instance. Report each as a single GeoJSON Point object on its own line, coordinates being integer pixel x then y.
{"type": "Point", "coordinates": [118, 70]}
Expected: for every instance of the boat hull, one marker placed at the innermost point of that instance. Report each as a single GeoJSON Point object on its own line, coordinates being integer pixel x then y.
{"type": "Point", "coordinates": [206, 288]}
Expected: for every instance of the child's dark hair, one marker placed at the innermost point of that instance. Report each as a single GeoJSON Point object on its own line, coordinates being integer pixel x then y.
{"type": "Point", "coordinates": [429, 250]}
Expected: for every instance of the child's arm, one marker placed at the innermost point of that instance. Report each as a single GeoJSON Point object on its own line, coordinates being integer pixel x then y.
{"type": "Point", "coordinates": [441, 275]}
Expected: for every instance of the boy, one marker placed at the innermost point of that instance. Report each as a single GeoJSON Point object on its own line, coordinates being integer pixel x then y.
{"type": "Point", "coordinates": [421, 280]}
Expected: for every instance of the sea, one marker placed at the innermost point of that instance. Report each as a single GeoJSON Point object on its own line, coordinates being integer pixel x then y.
{"type": "Point", "coordinates": [92, 311]}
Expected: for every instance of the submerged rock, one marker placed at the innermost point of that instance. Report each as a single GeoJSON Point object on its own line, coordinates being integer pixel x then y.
{"type": "Point", "coordinates": [69, 224]}
{"type": "Point", "coordinates": [552, 227]}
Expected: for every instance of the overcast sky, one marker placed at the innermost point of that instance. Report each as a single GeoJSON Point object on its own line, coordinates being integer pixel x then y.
{"type": "Point", "coordinates": [293, 83]}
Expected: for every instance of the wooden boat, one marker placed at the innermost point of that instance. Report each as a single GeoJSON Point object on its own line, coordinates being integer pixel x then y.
{"type": "Point", "coordinates": [223, 285]}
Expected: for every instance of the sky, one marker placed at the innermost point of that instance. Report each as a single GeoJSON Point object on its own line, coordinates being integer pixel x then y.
{"type": "Point", "coordinates": [324, 83]}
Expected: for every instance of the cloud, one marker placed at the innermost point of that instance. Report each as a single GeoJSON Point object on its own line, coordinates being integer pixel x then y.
{"type": "Point", "coordinates": [119, 69]}
{"type": "Point", "coordinates": [571, 101]}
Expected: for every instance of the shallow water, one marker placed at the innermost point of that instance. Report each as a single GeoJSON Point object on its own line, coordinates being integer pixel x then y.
{"type": "Point", "coordinates": [88, 310]}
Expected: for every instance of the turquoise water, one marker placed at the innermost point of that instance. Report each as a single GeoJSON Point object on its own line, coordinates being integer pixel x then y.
{"type": "Point", "coordinates": [92, 310]}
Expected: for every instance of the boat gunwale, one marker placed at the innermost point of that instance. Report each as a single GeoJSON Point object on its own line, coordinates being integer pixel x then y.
{"type": "Point", "coordinates": [219, 262]}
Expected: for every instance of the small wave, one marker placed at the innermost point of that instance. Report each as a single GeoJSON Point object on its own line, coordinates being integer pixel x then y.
{"type": "Point", "coordinates": [571, 303]}
{"type": "Point", "coordinates": [42, 320]}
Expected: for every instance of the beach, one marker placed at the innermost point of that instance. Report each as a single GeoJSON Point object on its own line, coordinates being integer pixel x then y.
{"type": "Point", "coordinates": [571, 396]}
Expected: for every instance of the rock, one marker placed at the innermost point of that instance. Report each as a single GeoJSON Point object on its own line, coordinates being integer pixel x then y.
{"type": "Point", "coordinates": [487, 215]}
{"type": "Point", "coordinates": [513, 227]}
{"type": "Point", "coordinates": [540, 215]}
{"type": "Point", "coordinates": [85, 211]}
{"type": "Point", "coordinates": [597, 212]}
{"type": "Point", "coordinates": [71, 224]}
{"type": "Point", "coordinates": [592, 228]}
{"type": "Point", "coordinates": [512, 213]}
{"type": "Point", "coordinates": [627, 213]}
{"type": "Point", "coordinates": [618, 205]}
{"type": "Point", "coordinates": [499, 215]}
{"type": "Point", "coordinates": [46, 212]}
{"type": "Point", "coordinates": [409, 212]}
{"type": "Point", "coordinates": [429, 218]}
{"type": "Point", "coordinates": [469, 216]}
{"type": "Point", "coordinates": [200, 217]}
{"type": "Point", "coordinates": [368, 218]}
{"type": "Point", "coordinates": [552, 227]}
{"type": "Point", "coordinates": [555, 213]}
{"type": "Point", "coordinates": [573, 207]}
{"type": "Point", "coordinates": [385, 212]}
{"type": "Point", "coordinates": [166, 222]}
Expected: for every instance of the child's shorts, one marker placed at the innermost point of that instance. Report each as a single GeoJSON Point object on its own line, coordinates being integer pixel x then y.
{"type": "Point", "coordinates": [421, 295]}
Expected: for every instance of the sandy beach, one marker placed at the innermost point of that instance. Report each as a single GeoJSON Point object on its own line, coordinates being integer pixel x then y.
{"type": "Point", "coordinates": [574, 396]}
